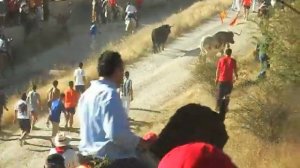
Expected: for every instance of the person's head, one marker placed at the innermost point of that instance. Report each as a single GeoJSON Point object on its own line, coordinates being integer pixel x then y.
{"type": "Point", "coordinates": [127, 74]}
{"type": "Point", "coordinates": [110, 66]}
{"type": "Point", "coordinates": [228, 52]}
{"type": "Point", "coordinates": [71, 84]}
{"type": "Point", "coordinates": [55, 83]}
{"type": "Point", "coordinates": [80, 65]}
{"type": "Point", "coordinates": [191, 123]}
{"type": "Point", "coordinates": [23, 96]}
{"type": "Point", "coordinates": [128, 3]}
{"type": "Point", "coordinates": [61, 140]}
{"type": "Point", "coordinates": [34, 87]}
{"type": "Point", "coordinates": [55, 161]}
{"type": "Point", "coordinates": [62, 96]}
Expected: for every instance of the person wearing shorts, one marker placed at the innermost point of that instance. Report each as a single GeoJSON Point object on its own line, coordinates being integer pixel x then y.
{"type": "Point", "coordinates": [23, 116]}
{"type": "Point", "coordinates": [71, 99]}
{"type": "Point", "coordinates": [247, 4]}
{"type": "Point", "coordinates": [34, 103]}
{"type": "Point", "coordinates": [226, 68]}
{"type": "Point", "coordinates": [53, 93]}
{"type": "Point", "coordinates": [57, 107]}
{"type": "Point", "coordinates": [79, 77]}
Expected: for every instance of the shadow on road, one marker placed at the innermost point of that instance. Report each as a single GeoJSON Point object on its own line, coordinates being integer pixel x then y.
{"type": "Point", "coordinates": [147, 110]}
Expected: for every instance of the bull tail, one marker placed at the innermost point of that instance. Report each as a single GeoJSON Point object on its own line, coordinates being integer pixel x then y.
{"type": "Point", "coordinates": [238, 33]}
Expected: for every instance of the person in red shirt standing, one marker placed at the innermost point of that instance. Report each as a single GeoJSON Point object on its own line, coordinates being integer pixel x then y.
{"type": "Point", "coordinates": [71, 99]}
{"type": "Point", "coordinates": [113, 5]}
{"type": "Point", "coordinates": [247, 4]}
{"type": "Point", "coordinates": [226, 68]}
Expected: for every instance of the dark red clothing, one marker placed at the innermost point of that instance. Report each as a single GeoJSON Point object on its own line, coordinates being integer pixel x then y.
{"type": "Point", "coordinates": [196, 155]}
{"type": "Point", "coordinates": [226, 66]}
{"type": "Point", "coordinates": [247, 2]}
{"type": "Point", "coordinates": [138, 3]}
{"type": "Point", "coordinates": [12, 6]}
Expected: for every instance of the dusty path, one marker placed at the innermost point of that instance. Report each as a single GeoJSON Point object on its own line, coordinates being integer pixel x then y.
{"type": "Point", "coordinates": [156, 78]}
{"type": "Point", "coordinates": [35, 65]}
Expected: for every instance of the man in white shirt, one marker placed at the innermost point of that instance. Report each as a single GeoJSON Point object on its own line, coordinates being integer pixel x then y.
{"type": "Point", "coordinates": [23, 116]}
{"type": "Point", "coordinates": [34, 103]}
{"type": "Point", "coordinates": [80, 79]}
{"type": "Point", "coordinates": [130, 11]}
{"type": "Point", "coordinates": [127, 92]}
{"type": "Point", "coordinates": [62, 147]}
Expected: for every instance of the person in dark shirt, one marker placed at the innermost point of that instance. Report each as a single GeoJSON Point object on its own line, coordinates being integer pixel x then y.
{"type": "Point", "coordinates": [3, 102]}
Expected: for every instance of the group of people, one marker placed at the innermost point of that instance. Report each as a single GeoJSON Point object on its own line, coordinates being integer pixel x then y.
{"type": "Point", "coordinates": [105, 129]}
{"type": "Point", "coordinates": [247, 4]}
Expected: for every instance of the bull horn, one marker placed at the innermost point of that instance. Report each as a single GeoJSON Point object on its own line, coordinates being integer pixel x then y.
{"type": "Point", "coordinates": [238, 33]}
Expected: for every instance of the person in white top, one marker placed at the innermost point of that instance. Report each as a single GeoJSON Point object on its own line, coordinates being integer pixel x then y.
{"type": "Point", "coordinates": [62, 147]}
{"type": "Point", "coordinates": [130, 11]}
{"type": "Point", "coordinates": [80, 79]}
{"type": "Point", "coordinates": [127, 92]}
{"type": "Point", "coordinates": [34, 104]}
{"type": "Point", "coordinates": [23, 116]}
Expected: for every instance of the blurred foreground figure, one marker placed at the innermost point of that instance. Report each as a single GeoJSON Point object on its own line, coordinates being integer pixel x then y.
{"type": "Point", "coordinates": [104, 125]}
{"type": "Point", "coordinates": [196, 155]}
{"type": "Point", "coordinates": [55, 161]}
{"type": "Point", "coordinates": [3, 101]}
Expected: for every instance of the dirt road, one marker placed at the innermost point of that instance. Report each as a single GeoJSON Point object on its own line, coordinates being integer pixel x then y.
{"type": "Point", "coordinates": [35, 60]}
{"type": "Point", "coordinates": [156, 78]}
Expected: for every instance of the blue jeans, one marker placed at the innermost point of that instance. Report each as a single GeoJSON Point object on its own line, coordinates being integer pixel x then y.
{"type": "Point", "coordinates": [263, 59]}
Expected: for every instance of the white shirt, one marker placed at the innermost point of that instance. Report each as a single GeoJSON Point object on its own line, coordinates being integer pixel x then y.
{"type": "Point", "coordinates": [70, 156]}
{"type": "Point", "coordinates": [130, 9]}
{"type": "Point", "coordinates": [22, 110]}
{"type": "Point", "coordinates": [33, 99]}
{"type": "Point", "coordinates": [79, 74]}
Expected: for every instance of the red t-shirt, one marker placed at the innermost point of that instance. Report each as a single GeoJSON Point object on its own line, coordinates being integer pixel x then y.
{"type": "Point", "coordinates": [112, 2]}
{"type": "Point", "coordinates": [247, 2]}
{"type": "Point", "coordinates": [71, 98]}
{"type": "Point", "coordinates": [226, 66]}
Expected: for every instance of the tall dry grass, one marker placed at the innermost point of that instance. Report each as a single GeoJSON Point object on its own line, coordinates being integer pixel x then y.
{"type": "Point", "coordinates": [138, 45]}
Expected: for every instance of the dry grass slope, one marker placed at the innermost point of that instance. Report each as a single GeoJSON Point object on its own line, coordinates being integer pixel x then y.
{"type": "Point", "coordinates": [140, 42]}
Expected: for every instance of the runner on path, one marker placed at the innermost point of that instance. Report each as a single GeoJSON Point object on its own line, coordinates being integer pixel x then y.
{"type": "Point", "coordinates": [54, 93]}
{"type": "Point", "coordinates": [80, 79]}
{"type": "Point", "coordinates": [71, 99]}
{"type": "Point", "coordinates": [34, 104]}
{"type": "Point", "coordinates": [127, 92]}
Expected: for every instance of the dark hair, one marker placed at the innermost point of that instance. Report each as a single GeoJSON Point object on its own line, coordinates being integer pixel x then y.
{"type": "Point", "coordinates": [55, 161]}
{"type": "Point", "coordinates": [71, 83]}
{"type": "Point", "coordinates": [34, 87]}
{"type": "Point", "coordinates": [24, 96]}
{"type": "Point", "coordinates": [191, 123]}
{"type": "Point", "coordinates": [108, 62]}
{"type": "Point", "coordinates": [62, 95]}
{"type": "Point", "coordinates": [80, 65]}
{"type": "Point", "coordinates": [228, 51]}
{"type": "Point", "coordinates": [55, 83]}
{"type": "Point", "coordinates": [127, 72]}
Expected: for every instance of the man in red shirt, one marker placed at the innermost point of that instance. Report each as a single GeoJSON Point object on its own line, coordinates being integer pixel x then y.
{"type": "Point", "coordinates": [71, 99]}
{"type": "Point", "coordinates": [224, 76]}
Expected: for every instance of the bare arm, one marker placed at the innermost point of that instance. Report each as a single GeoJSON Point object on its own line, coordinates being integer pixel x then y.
{"type": "Point", "coordinates": [236, 73]}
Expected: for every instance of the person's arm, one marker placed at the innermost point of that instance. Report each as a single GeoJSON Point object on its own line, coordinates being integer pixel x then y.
{"type": "Point", "coordinates": [116, 124]}
{"type": "Point", "coordinates": [83, 77]}
{"type": "Point", "coordinates": [235, 71]}
{"type": "Point", "coordinates": [131, 91]}
{"type": "Point", "coordinates": [217, 73]}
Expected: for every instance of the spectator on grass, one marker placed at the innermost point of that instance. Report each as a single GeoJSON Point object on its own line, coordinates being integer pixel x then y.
{"type": "Point", "coordinates": [262, 47]}
{"type": "Point", "coordinates": [54, 93]}
{"type": "Point", "coordinates": [71, 99]}
{"type": "Point", "coordinates": [34, 104]}
{"type": "Point", "coordinates": [100, 108]}
{"type": "Point", "coordinates": [3, 101]}
{"type": "Point", "coordinates": [57, 107]}
{"type": "Point", "coordinates": [80, 79]}
{"type": "Point", "coordinates": [55, 161]}
{"type": "Point", "coordinates": [23, 117]}
{"type": "Point", "coordinates": [127, 92]}
{"type": "Point", "coordinates": [62, 147]}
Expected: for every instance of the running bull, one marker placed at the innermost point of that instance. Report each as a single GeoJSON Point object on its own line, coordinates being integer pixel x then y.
{"type": "Point", "coordinates": [159, 37]}
{"type": "Point", "coordinates": [217, 42]}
